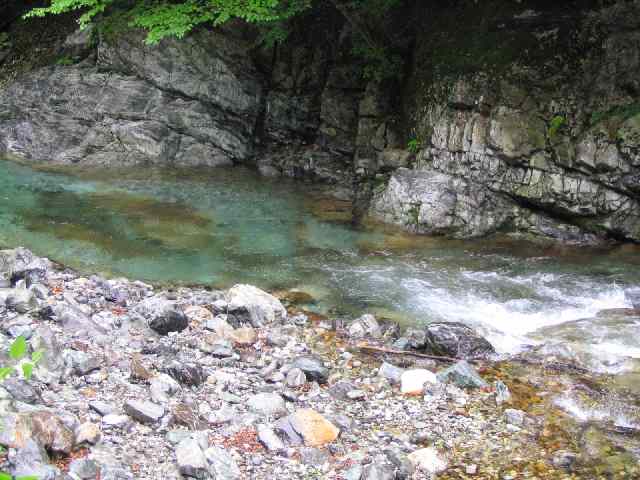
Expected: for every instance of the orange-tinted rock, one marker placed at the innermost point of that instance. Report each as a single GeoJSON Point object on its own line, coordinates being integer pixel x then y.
{"type": "Point", "coordinates": [313, 427]}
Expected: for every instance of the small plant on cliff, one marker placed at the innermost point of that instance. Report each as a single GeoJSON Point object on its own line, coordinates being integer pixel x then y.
{"type": "Point", "coordinates": [413, 145]}
{"type": "Point", "coordinates": [64, 61]}
{"type": "Point", "coordinates": [555, 125]}
{"type": "Point", "coordinates": [4, 40]}
{"type": "Point", "coordinates": [17, 354]}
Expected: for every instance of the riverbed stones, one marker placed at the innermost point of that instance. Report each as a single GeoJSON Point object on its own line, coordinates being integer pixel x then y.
{"type": "Point", "coordinates": [191, 459]}
{"type": "Point", "coordinates": [365, 326]}
{"type": "Point", "coordinates": [413, 382]}
{"type": "Point", "coordinates": [21, 300]}
{"type": "Point", "coordinates": [32, 460]}
{"type": "Point", "coordinates": [429, 460]}
{"type": "Point", "coordinates": [515, 417]}
{"type": "Point", "coordinates": [391, 372]}
{"type": "Point", "coordinates": [457, 340]}
{"type": "Point", "coordinates": [221, 464]}
{"type": "Point", "coordinates": [87, 433]}
{"type": "Point", "coordinates": [143, 411]}
{"type": "Point", "coordinates": [295, 378]}
{"type": "Point", "coordinates": [313, 368]}
{"type": "Point", "coordinates": [162, 387]}
{"type": "Point", "coordinates": [270, 439]}
{"type": "Point", "coordinates": [463, 375]}
{"type": "Point", "coordinates": [186, 373]}
{"type": "Point", "coordinates": [313, 427]}
{"type": "Point", "coordinates": [251, 306]}
{"type": "Point", "coordinates": [267, 404]}
{"type": "Point", "coordinates": [170, 320]}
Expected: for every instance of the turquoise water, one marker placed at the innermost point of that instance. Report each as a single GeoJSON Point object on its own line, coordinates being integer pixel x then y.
{"type": "Point", "coordinates": [226, 226]}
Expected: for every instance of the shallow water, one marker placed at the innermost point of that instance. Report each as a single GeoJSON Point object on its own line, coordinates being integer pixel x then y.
{"type": "Point", "coordinates": [228, 226]}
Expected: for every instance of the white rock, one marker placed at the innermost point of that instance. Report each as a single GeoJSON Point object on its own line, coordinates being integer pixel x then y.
{"type": "Point", "coordinates": [428, 460]}
{"type": "Point", "coordinates": [257, 306]}
{"type": "Point", "coordinates": [412, 382]}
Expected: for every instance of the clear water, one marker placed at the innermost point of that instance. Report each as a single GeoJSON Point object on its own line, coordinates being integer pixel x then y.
{"type": "Point", "coordinates": [228, 226]}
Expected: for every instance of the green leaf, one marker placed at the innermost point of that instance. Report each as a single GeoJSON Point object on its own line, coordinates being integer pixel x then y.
{"type": "Point", "coordinates": [37, 356]}
{"type": "Point", "coordinates": [4, 373]}
{"type": "Point", "coordinates": [18, 348]}
{"type": "Point", "coordinates": [27, 370]}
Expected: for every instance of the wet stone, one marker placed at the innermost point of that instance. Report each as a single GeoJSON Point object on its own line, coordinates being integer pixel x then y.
{"type": "Point", "coordinates": [463, 375]}
{"type": "Point", "coordinates": [313, 367]}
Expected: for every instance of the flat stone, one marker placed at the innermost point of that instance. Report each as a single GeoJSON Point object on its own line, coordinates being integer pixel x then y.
{"type": "Point", "coordinates": [144, 412]}
{"type": "Point", "coordinates": [113, 420]}
{"type": "Point", "coordinates": [267, 404]}
{"type": "Point", "coordinates": [102, 408]}
{"type": "Point", "coordinates": [413, 382]}
{"type": "Point", "coordinates": [463, 375]}
{"type": "Point", "coordinates": [51, 432]}
{"type": "Point", "coordinates": [31, 460]}
{"type": "Point", "coordinates": [316, 430]}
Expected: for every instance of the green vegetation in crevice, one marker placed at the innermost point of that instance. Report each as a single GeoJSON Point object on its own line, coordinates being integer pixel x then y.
{"type": "Point", "coordinates": [414, 145]}
{"type": "Point", "coordinates": [65, 60]}
{"type": "Point", "coordinates": [555, 125]}
{"type": "Point", "coordinates": [4, 40]}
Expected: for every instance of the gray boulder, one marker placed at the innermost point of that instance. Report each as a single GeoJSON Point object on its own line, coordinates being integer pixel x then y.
{"type": "Point", "coordinates": [453, 339]}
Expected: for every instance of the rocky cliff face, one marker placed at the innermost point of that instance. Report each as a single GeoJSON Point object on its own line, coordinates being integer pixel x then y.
{"type": "Point", "coordinates": [526, 120]}
{"type": "Point", "coordinates": [523, 121]}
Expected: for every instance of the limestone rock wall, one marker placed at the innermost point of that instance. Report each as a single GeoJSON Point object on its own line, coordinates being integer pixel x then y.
{"type": "Point", "coordinates": [523, 121]}
{"type": "Point", "coordinates": [516, 117]}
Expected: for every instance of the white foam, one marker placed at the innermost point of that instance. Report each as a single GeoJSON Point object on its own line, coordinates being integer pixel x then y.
{"type": "Point", "coordinates": [510, 320]}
